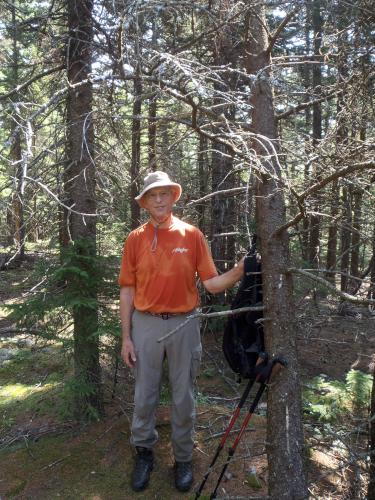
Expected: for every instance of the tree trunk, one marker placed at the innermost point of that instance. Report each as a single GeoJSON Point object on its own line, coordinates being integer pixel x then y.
{"type": "Point", "coordinates": [371, 291]}
{"type": "Point", "coordinates": [332, 233]}
{"type": "Point", "coordinates": [307, 83]}
{"type": "Point", "coordinates": [345, 237]}
{"type": "Point", "coordinates": [285, 445]}
{"type": "Point", "coordinates": [356, 235]}
{"type": "Point", "coordinates": [152, 109]}
{"type": "Point", "coordinates": [81, 190]}
{"type": "Point", "coordinates": [223, 209]}
{"type": "Point", "coordinates": [17, 223]}
{"type": "Point", "coordinates": [314, 247]}
{"type": "Point", "coordinates": [371, 483]}
{"type": "Point", "coordinates": [136, 151]}
{"type": "Point", "coordinates": [341, 144]}
{"type": "Point", "coordinates": [203, 180]}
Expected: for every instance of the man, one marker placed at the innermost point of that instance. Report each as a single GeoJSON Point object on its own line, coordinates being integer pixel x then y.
{"type": "Point", "coordinates": [158, 291]}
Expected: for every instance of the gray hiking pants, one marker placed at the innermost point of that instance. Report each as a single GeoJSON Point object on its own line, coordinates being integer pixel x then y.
{"type": "Point", "coordinates": [183, 351]}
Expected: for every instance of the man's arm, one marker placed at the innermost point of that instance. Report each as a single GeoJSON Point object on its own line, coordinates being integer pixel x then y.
{"type": "Point", "coordinates": [126, 311]}
{"type": "Point", "coordinates": [223, 281]}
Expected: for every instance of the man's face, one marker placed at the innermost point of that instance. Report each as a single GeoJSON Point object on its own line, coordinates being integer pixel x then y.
{"type": "Point", "coordinates": [159, 202]}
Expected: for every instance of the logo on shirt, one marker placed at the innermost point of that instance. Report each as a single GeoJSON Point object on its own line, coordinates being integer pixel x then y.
{"type": "Point", "coordinates": [180, 250]}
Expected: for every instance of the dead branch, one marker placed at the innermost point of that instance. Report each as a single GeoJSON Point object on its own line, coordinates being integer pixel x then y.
{"type": "Point", "coordinates": [342, 172]}
{"type": "Point", "coordinates": [39, 76]}
{"type": "Point", "coordinates": [284, 22]}
{"type": "Point", "coordinates": [222, 314]}
{"type": "Point", "coordinates": [327, 284]}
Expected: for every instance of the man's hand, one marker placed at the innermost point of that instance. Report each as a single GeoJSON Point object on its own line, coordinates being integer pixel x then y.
{"type": "Point", "coordinates": [128, 353]}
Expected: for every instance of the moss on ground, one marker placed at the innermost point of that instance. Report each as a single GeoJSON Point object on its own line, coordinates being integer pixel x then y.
{"type": "Point", "coordinates": [93, 465]}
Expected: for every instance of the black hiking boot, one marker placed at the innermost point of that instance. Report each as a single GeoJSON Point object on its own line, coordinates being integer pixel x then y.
{"type": "Point", "coordinates": [183, 476]}
{"type": "Point", "coordinates": [143, 466]}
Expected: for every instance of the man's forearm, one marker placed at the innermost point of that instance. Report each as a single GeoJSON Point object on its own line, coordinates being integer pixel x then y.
{"type": "Point", "coordinates": [219, 283]}
{"type": "Point", "coordinates": [126, 310]}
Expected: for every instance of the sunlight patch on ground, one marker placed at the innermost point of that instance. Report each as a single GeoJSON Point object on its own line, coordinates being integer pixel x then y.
{"type": "Point", "coordinates": [330, 463]}
{"type": "Point", "coordinates": [11, 392]}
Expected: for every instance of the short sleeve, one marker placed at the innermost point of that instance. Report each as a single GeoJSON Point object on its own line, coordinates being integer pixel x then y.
{"type": "Point", "coordinates": [128, 263]}
{"type": "Point", "coordinates": [206, 268]}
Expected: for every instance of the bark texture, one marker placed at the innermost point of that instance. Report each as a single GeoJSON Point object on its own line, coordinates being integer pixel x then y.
{"type": "Point", "coordinates": [80, 186]}
{"type": "Point", "coordinates": [285, 448]}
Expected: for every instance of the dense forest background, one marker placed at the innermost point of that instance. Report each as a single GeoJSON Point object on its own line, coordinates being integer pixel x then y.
{"type": "Point", "coordinates": [263, 111]}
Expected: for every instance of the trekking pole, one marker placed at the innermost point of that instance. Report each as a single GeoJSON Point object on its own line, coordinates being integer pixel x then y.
{"type": "Point", "coordinates": [264, 381]}
{"type": "Point", "coordinates": [260, 366]}
{"type": "Point", "coordinates": [225, 436]}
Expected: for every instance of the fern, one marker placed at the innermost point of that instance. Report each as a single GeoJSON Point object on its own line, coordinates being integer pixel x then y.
{"type": "Point", "coordinates": [329, 400]}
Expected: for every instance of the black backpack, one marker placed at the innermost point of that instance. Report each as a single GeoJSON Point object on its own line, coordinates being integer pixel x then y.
{"type": "Point", "coordinates": [243, 341]}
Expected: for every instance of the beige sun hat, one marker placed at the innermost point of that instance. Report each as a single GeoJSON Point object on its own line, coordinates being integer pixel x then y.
{"type": "Point", "coordinates": [158, 179]}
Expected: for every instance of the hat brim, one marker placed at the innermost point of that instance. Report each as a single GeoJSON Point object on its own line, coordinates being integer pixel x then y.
{"type": "Point", "coordinates": [176, 188]}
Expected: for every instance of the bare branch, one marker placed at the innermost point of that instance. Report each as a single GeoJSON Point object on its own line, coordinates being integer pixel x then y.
{"type": "Point", "coordinates": [367, 165]}
{"type": "Point", "coordinates": [216, 193]}
{"type": "Point", "coordinates": [284, 22]}
{"type": "Point", "coordinates": [30, 81]}
{"type": "Point", "coordinates": [222, 314]}
{"type": "Point", "coordinates": [327, 284]}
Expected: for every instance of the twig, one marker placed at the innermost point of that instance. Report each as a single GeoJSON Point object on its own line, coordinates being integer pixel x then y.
{"type": "Point", "coordinates": [56, 462]}
{"type": "Point", "coordinates": [231, 191]}
{"type": "Point", "coordinates": [231, 312]}
{"type": "Point", "coordinates": [219, 434]}
{"type": "Point", "coordinates": [27, 447]}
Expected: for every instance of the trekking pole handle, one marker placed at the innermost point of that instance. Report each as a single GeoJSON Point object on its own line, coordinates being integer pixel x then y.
{"type": "Point", "coordinates": [278, 365]}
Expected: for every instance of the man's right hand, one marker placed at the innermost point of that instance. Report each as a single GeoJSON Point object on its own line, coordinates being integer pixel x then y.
{"type": "Point", "coordinates": [128, 352]}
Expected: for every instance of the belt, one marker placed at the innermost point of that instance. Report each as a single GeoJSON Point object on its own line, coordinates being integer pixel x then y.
{"type": "Point", "coordinates": [163, 315]}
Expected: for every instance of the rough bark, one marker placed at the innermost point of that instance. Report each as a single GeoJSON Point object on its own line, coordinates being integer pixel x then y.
{"type": "Point", "coordinates": [285, 445]}
{"type": "Point", "coordinates": [80, 177]}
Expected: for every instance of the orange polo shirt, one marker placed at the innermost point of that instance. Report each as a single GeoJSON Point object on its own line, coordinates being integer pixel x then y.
{"type": "Point", "coordinates": [165, 280]}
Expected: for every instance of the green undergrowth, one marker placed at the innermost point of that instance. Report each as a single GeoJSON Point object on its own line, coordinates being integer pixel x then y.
{"type": "Point", "coordinates": [31, 382]}
{"type": "Point", "coordinates": [329, 401]}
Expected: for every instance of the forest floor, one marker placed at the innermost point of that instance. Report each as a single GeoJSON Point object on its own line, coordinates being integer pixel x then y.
{"type": "Point", "coordinates": [43, 456]}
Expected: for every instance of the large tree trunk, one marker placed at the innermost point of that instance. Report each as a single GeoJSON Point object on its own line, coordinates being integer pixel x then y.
{"type": "Point", "coordinates": [285, 445]}
{"type": "Point", "coordinates": [81, 189]}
